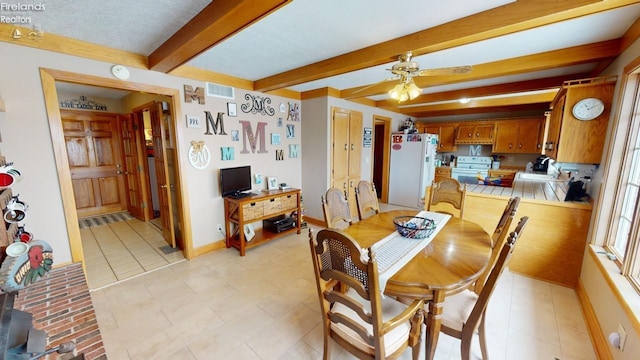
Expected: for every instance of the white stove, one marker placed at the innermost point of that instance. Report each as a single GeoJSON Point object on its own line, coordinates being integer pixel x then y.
{"type": "Point", "coordinates": [471, 169]}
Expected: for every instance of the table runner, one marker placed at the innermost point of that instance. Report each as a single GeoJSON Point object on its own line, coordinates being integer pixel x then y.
{"type": "Point", "coordinates": [394, 251]}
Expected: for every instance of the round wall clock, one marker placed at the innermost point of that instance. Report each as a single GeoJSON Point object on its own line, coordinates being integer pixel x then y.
{"type": "Point", "coordinates": [120, 72]}
{"type": "Point", "coordinates": [588, 109]}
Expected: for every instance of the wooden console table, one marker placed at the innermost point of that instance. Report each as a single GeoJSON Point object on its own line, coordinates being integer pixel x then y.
{"type": "Point", "coordinates": [264, 205]}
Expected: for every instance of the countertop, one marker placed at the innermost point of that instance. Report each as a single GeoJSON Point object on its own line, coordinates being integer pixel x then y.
{"type": "Point", "coordinates": [550, 190]}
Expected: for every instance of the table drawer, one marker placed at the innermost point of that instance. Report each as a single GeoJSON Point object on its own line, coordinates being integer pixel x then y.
{"type": "Point", "coordinates": [272, 206]}
{"type": "Point", "coordinates": [290, 202]}
{"type": "Point", "coordinates": [253, 210]}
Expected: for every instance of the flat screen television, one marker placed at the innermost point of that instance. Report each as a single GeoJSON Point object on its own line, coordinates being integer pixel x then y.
{"type": "Point", "coordinates": [235, 181]}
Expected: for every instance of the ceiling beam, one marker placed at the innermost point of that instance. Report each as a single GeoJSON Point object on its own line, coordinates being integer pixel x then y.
{"type": "Point", "coordinates": [215, 23]}
{"type": "Point", "coordinates": [537, 100]}
{"type": "Point", "coordinates": [491, 90]}
{"type": "Point", "coordinates": [576, 55]}
{"type": "Point", "coordinates": [517, 16]}
{"type": "Point", "coordinates": [513, 109]}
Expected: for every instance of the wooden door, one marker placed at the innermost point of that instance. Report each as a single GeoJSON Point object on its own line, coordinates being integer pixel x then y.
{"type": "Point", "coordinates": [132, 165]}
{"type": "Point", "coordinates": [92, 141]}
{"type": "Point", "coordinates": [553, 134]}
{"type": "Point", "coordinates": [355, 159]}
{"type": "Point", "coordinates": [162, 174]}
{"type": "Point", "coordinates": [529, 136]}
{"type": "Point", "coordinates": [340, 151]}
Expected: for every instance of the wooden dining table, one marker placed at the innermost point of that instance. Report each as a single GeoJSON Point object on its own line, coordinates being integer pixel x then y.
{"type": "Point", "coordinates": [450, 263]}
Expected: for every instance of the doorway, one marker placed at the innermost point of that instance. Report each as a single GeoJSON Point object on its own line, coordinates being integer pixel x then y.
{"type": "Point", "coordinates": [381, 149]}
{"type": "Point", "coordinates": [49, 78]}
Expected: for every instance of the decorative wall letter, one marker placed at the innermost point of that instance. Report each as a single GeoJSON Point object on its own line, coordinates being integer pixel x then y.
{"type": "Point", "coordinates": [275, 139]}
{"type": "Point", "coordinates": [190, 95]}
{"type": "Point", "coordinates": [294, 150]}
{"type": "Point", "coordinates": [199, 156]}
{"type": "Point", "coordinates": [279, 155]}
{"type": "Point", "coordinates": [218, 124]}
{"type": "Point", "coordinates": [294, 112]}
{"type": "Point", "coordinates": [227, 153]}
{"type": "Point", "coordinates": [290, 131]}
{"type": "Point", "coordinates": [257, 105]}
{"type": "Point", "coordinates": [247, 135]}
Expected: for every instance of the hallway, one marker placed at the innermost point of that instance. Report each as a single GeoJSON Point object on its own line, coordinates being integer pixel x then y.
{"type": "Point", "coordinates": [121, 250]}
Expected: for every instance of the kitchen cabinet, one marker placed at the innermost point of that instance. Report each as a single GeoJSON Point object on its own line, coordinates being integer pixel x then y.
{"type": "Point", "coordinates": [346, 132]}
{"type": "Point", "coordinates": [442, 172]}
{"type": "Point", "coordinates": [518, 136]}
{"type": "Point", "coordinates": [475, 133]}
{"type": "Point", "coordinates": [506, 176]}
{"type": "Point", "coordinates": [446, 135]}
{"type": "Point", "coordinates": [579, 141]}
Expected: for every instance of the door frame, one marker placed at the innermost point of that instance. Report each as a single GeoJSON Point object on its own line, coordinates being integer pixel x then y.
{"type": "Point", "coordinates": [386, 150]}
{"type": "Point", "coordinates": [48, 79]}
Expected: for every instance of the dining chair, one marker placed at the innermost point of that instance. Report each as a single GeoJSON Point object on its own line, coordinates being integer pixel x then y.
{"type": "Point", "coordinates": [366, 199]}
{"type": "Point", "coordinates": [498, 238]}
{"type": "Point", "coordinates": [465, 312]}
{"type": "Point", "coordinates": [336, 209]}
{"type": "Point", "coordinates": [449, 191]}
{"type": "Point", "coordinates": [360, 320]}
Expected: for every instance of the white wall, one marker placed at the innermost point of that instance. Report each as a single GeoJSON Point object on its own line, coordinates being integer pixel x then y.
{"type": "Point", "coordinates": [316, 153]}
{"type": "Point", "coordinates": [608, 308]}
{"type": "Point", "coordinates": [26, 141]}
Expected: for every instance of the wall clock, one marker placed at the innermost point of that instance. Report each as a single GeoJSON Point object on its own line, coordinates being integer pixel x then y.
{"type": "Point", "coordinates": [588, 109]}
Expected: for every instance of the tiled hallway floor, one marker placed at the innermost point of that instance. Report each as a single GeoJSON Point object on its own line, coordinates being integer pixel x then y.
{"type": "Point", "coordinates": [121, 250]}
{"type": "Point", "coordinates": [264, 306]}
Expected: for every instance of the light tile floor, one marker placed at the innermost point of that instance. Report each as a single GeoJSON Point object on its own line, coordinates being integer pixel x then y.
{"type": "Point", "coordinates": [121, 250]}
{"type": "Point", "coordinates": [264, 306]}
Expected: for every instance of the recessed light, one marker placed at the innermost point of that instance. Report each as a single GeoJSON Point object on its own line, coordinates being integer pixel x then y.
{"type": "Point", "coordinates": [464, 100]}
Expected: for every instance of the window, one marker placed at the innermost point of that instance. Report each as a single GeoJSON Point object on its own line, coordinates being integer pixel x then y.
{"type": "Point", "coordinates": [623, 238]}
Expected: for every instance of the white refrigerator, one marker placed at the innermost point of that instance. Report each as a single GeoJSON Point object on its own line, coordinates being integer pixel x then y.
{"type": "Point", "coordinates": [411, 168]}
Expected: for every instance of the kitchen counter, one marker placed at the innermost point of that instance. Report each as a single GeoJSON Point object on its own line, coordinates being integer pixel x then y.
{"type": "Point", "coordinates": [537, 189]}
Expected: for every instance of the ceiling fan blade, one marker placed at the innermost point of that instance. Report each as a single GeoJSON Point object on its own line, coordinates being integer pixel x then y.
{"type": "Point", "coordinates": [454, 70]}
{"type": "Point", "coordinates": [372, 85]}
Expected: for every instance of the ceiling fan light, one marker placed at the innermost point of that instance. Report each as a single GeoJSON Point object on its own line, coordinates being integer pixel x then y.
{"type": "Point", "coordinates": [396, 92]}
{"type": "Point", "coordinates": [414, 91]}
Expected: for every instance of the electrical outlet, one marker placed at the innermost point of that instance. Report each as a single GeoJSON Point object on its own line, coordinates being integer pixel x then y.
{"type": "Point", "coordinates": [219, 227]}
{"type": "Point", "coordinates": [623, 336]}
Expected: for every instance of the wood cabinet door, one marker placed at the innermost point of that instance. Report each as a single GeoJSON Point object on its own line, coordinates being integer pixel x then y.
{"type": "Point", "coordinates": [93, 150]}
{"type": "Point", "coordinates": [484, 133]}
{"type": "Point", "coordinates": [506, 137]}
{"type": "Point", "coordinates": [355, 160]}
{"type": "Point", "coordinates": [465, 133]}
{"type": "Point", "coordinates": [340, 148]}
{"type": "Point", "coordinates": [529, 136]}
{"type": "Point", "coordinates": [133, 168]}
{"type": "Point", "coordinates": [447, 138]}
{"type": "Point", "coordinates": [431, 129]}
{"type": "Point", "coordinates": [553, 134]}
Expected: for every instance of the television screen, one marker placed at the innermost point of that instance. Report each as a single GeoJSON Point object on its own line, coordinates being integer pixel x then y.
{"type": "Point", "coordinates": [234, 181]}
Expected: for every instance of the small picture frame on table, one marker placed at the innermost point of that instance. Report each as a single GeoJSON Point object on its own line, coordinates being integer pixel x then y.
{"type": "Point", "coordinates": [232, 109]}
{"type": "Point", "coordinates": [272, 183]}
{"type": "Point", "coordinates": [249, 232]}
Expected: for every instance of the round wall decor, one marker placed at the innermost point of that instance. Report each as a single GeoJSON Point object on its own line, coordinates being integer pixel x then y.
{"type": "Point", "coordinates": [199, 155]}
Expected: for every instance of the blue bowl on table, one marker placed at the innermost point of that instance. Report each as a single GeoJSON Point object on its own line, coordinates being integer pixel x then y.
{"type": "Point", "coordinates": [414, 227]}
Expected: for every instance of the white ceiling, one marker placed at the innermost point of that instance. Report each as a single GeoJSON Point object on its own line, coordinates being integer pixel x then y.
{"type": "Point", "coordinates": [303, 32]}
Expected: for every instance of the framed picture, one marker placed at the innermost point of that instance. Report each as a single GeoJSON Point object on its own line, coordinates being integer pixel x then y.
{"type": "Point", "coordinates": [272, 183]}
{"type": "Point", "coordinates": [249, 232]}
{"type": "Point", "coordinates": [232, 109]}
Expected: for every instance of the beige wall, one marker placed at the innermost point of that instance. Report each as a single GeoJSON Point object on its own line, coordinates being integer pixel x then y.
{"type": "Point", "coordinates": [26, 141]}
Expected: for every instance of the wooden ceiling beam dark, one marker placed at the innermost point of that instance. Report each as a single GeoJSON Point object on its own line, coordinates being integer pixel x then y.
{"type": "Point", "coordinates": [507, 19]}
{"type": "Point", "coordinates": [540, 107]}
{"type": "Point", "coordinates": [216, 22]}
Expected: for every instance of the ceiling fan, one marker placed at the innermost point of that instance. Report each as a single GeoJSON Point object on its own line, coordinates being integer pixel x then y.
{"type": "Point", "coordinates": [405, 69]}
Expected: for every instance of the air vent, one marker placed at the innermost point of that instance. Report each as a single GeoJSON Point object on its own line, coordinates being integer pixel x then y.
{"type": "Point", "coordinates": [220, 91]}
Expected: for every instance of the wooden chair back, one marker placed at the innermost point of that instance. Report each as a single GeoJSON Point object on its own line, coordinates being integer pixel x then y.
{"type": "Point", "coordinates": [498, 238]}
{"type": "Point", "coordinates": [449, 191]}
{"type": "Point", "coordinates": [366, 199]}
{"type": "Point", "coordinates": [476, 318]}
{"type": "Point", "coordinates": [355, 319]}
{"type": "Point", "coordinates": [336, 209]}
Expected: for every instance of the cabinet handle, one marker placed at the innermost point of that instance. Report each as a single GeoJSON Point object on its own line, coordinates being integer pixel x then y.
{"type": "Point", "coordinates": [520, 146]}
{"type": "Point", "coordinates": [352, 147]}
{"type": "Point", "coordinates": [477, 134]}
{"type": "Point", "coordinates": [510, 146]}
{"type": "Point", "coordinates": [346, 147]}
{"type": "Point", "coordinates": [469, 135]}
